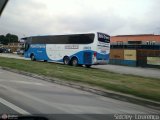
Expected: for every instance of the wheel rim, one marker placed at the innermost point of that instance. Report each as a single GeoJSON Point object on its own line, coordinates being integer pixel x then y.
{"type": "Point", "coordinates": [75, 62]}
{"type": "Point", "coordinates": [66, 61]}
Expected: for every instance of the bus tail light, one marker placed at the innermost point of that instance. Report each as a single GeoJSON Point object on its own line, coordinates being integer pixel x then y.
{"type": "Point", "coordinates": [95, 54]}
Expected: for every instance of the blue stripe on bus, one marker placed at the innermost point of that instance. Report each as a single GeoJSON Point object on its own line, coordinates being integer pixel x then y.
{"type": "Point", "coordinates": [40, 54]}
{"type": "Point", "coordinates": [80, 56]}
{"type": "Point", "coordinates": [102, 56]}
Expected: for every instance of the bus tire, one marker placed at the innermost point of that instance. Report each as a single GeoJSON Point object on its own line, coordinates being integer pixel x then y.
{"type": "Point", "coordinates": [88, 66]}
{"type": "Point", "coordinates": [66, 60]}
{"type": "Point", "coordinates": [33, 57]}
{"type": "Point", "coordinates": [74, 61]}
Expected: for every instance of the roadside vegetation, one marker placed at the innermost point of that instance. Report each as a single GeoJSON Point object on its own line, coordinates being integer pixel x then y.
{"type": "Point", "coordinates": [139, 86]}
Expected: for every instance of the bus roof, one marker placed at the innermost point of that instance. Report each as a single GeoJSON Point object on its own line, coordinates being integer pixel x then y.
{"type": "Point", "coordinates": [25, 38]}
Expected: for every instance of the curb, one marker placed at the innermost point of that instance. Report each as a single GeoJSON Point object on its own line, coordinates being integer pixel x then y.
{"type": "Point", "coordinates": [98, 91]}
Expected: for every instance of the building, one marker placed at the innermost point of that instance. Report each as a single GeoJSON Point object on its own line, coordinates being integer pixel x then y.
{"type": "Point", "coordinates": [141, 39]}
{"type": "Point", "coordinates": [135, 50]}
{"type": "Point", "coordinates": [14, 46]}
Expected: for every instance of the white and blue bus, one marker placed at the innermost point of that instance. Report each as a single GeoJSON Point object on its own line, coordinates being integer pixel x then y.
{"type": "Point", "coordinates": [74, 49]}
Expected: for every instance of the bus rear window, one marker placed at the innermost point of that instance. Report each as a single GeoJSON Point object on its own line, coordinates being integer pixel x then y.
{"type": "Point", "coordinates": [103, 38]}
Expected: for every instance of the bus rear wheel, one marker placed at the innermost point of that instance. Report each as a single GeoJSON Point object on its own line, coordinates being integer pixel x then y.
{"type": "Point", "coordinates": [33, 58]}
{"type": "Point", "coordinates": [74, 62]}
{"type": "Point", "coordinates": [66, 60]}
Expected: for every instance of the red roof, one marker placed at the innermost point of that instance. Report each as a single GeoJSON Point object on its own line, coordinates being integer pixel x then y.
{"type": "Point", "coordinates": [140, 37]}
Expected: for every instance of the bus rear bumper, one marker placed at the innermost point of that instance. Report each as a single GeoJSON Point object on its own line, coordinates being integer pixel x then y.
{"type": "Point", "coordinates": [101, 62]}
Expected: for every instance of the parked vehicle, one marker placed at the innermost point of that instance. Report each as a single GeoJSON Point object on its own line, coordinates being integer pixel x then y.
{"type": "Point", "coordinates": [4, 50]}
{"type": "Point", "coordinates": [1, 50]}
{"type": "Point", "coordinates": [20, 52]}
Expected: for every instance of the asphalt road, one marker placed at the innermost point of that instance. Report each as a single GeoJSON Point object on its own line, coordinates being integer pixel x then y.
{"type": "Point", "coordinates": [146, 72]}
{"type": "Point", "coordinates": [25, 95]}
{"type": "Point", "coordinates": [6, 109]}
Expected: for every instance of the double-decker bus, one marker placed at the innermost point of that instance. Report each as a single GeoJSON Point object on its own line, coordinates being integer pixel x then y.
{"type": "Point", "coordinates": [74, 49]}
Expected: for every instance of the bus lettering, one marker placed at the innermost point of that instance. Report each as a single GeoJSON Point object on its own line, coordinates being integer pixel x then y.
{"type": "Point", "coordinates": [38, 46]}
{"type": "Point", "coordinates": [71, 47]}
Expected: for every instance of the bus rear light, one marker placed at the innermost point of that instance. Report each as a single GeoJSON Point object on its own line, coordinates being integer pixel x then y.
{"type": "Point", "coordinates": [95, 54]}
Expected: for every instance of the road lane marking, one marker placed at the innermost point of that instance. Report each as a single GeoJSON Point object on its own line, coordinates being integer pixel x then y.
{"type": "Point", "coordinates": [58, 106]}
{"type": "Point", "coordinates": [74, 109]}
{"type": "Point", "coordinates": [67, 108]}
{"type": "Point", "coordinates": [14, 107]}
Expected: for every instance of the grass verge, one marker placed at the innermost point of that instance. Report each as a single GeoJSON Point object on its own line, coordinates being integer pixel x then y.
{"type": "Point", "coordinates": [139, 86]}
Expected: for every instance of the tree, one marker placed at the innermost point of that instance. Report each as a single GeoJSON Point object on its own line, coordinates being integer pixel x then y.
{"type": "Point", "coordinates": [3, 39]}
{"type": "Point", "coordinates": [9, 38]}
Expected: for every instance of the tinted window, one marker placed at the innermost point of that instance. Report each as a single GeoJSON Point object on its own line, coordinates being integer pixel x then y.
{"type": "Point", "coordinates": [103, 38]}
{"type": "Point", "coordinates": [64, 39]}
{"type": "Point", "coordinates": [26, 46]}
{"type": "Point", "coordinates": [27, 43]}
{"type": "Point", "coordinates": [134, 42]}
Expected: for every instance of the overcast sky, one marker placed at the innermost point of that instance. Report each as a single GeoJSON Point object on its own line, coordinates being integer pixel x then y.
{"type": "Point", "coordinates": [114, 17]}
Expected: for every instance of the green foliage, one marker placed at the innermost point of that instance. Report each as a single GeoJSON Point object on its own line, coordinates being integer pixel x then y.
{"type": "Point", "coordinates": [9, 38]}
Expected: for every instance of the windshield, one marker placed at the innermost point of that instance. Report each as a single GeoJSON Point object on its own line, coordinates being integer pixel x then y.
{"type": "Point", "coordinates": [26, 47]}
